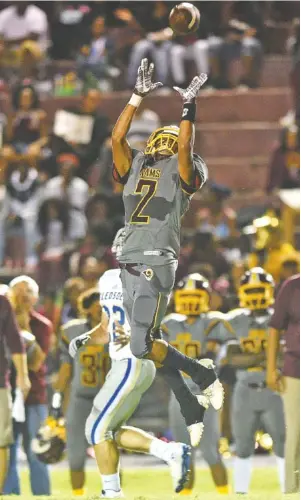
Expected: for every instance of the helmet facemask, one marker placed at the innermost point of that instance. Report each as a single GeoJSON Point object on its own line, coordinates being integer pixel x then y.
{"type": "Point", "coordinates": [192, 296]}
{"type": "Point", "coordinates": [163, 142]}
{"type": "Point", "coordinates": [256, 291]}
{"type": "Point", "coordinates": [191, 302]}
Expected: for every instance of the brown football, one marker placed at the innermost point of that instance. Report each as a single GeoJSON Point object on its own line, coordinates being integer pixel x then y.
{"type": "Point", "coordinates": [184, 18]}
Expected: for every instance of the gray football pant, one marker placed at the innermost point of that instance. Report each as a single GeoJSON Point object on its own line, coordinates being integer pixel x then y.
{"type": "Point", "coordinates": [77, 414]}
{"type": "Point", "coordinates": [145, 299]}
{"type": "Point", "coordinates": [252, 410]}
{"type": "Point", "coordinates": [209, 444]}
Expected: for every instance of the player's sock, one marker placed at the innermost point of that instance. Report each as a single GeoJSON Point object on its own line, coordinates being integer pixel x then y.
{"type": "Point", "coordinates": [200, 374]}
{"type": "Point", "coordinates": [281, 472]}
{"type": "Point", "coordinates": [191, 409]}
{"type": "Point", "coordinates": [242, 474]}
{"type": "Point", "coordinates": [111, 482]}
{"type": "Point", "coordinates": [162, 450]}
{"type": "Point", "coordinates": [223, 490]}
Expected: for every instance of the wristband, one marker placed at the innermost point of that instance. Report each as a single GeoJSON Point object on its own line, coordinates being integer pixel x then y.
{"type": "Point", "coordinates": [135, 100]}
{"type": "Point", "coordinates": [189, 111]}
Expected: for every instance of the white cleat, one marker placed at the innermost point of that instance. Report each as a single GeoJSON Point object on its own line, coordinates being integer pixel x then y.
{"type": "Point", "coordinates": [112, 494]}
{"type": "Point", "coordinates": [195, 433]}
{"type": "Point", "coordinates": [180, 464]}
{"type": "Point", "coordinates": [215, 394]}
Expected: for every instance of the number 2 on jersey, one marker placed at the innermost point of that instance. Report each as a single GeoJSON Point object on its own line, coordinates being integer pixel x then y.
{"type": "Point", "coordinates": [151, 186]}
{"type": "Point", "coordinates": [118, 315]}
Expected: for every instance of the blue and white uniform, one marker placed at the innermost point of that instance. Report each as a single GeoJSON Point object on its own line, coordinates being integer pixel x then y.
{"type": "Point", "coordinates": [129, 377]}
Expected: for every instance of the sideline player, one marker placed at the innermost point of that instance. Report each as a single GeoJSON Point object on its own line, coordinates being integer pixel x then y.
{"type": "Point", "coordinates": [188, 330]}
{"type": "Point", "coordinates": [158, 185]}
{"type": "Point", "coordinates": [253, 404]}
{"type": "Point", "coordinates": [128, 379]}
{"type": "Point", "coordinates": [86, 374]}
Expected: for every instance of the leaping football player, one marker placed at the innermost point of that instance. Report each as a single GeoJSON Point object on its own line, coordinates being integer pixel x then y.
{"type": "Point", "coordinates": [191, 329]}
{"type": "Point", "coordinates": [158, 186]}
{"type": "Point", "coordinates": [128, 379]}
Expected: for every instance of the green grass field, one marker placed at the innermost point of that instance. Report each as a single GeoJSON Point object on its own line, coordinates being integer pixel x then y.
{"type": "Point", "coordinates": [155, 484]}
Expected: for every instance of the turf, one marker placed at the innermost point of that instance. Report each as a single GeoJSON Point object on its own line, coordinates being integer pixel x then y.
{"type": "Point", "coordinates": [155, 484]}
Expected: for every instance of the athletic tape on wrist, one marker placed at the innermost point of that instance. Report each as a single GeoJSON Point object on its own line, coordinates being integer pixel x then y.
{"type": "Point", "coordinates": [135, 100]}
{"type": "Point", "coordinates": [189, 111]}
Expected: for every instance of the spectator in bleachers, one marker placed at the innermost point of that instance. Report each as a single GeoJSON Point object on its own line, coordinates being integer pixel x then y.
{"type": "Point", "coordinates": [18, 217]}
{"type": "Point", "coordinates": [205, 251]}
{"type": "Point", "coordinates": [156, 43]}
{"type": "Point", "coordinates": [72, 290]}
{"type": "Point", "coordinates": [26, 130]}
{"type": "Point", "coordinates": [284, 168]}
{"type": "Point", "coordinates": [67, 185]}
{"type": "Point", "coordinates": [143, 124]}
{"type": "Point", "coordinates": [96, 55]}
{"type": "Point", "coordinates": [215, 216]}
{"type": "Point", "coordinates": [194, 47]}
{"type": "Point", "coordinates": [84, 139]}
{"type": "Point", "coordinates": [91, 270]}
{"type": "Point", "coordinates": [24, 34]}
{"type": "Point", "coordinates": [60, 229]}
{"type": "Point", "coordinates": [242, 42]}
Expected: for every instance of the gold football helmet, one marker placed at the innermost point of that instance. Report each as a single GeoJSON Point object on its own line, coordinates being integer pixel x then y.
{"type": "Point", "coordinates": [164, 140]}
{"type": "Point", "coordinates": [256, 289]}
{"type": "Point", "coordinates": [192, 295]}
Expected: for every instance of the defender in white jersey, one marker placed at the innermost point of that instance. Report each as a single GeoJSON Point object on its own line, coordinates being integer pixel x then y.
{"type": "Point", "coordinates": [128, 379]}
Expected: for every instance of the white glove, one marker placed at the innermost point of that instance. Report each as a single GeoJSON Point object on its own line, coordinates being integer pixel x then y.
{"type": "Point", "coordinates": [193, 89]}
{"type": "Point", "coordinates": [77, 343]}
{"type": "Point", "coordinates": [144, 83]}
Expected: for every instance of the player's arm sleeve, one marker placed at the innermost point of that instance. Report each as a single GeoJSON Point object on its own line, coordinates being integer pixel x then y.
{"type": "Point", "coordinates": [199, 177]}
{"type": "Point", "coordinates": [117, 176]}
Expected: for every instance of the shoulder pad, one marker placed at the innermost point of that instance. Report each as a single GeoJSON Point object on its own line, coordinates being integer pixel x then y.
{"type": "Point", "coordinates": [211, 315]}
{"type": "Point", "coordinates": [237, 313]}
{"type": "Point", "coordinates": [216, 317]}
{"type": "Point", "coordinates": [73, 322]}
{"type": "Point", "coordinates": [174, 317]}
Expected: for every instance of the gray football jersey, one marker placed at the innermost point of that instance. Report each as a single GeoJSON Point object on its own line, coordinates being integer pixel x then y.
{"type": "Point", "coordinates": [154, 201]}
{"type": "Point", "coordinates": [191, 338]}
{"type": "Point", "coordinates": [251, 333]}
{"type": "Point", "coordinates": [91, 364]}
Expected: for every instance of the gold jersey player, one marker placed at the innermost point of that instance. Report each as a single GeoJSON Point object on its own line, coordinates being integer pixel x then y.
{"type": "Point", "coordinates": [158, 185]}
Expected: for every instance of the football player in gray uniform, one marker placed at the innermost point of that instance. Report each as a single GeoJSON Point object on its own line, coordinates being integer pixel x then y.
{"type": "Point", "coordinates": [190, 330]}
{"type": "Point", "coordinates": [253, 405]}
{"type": "Point", "coordinates": [158, 186]}
{"type": "Point", "coordinates": [86, 374]}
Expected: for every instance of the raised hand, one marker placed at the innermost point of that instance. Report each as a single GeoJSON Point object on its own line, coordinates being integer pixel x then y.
{"type": "Point", "coordinates": [193, 89]}
{"type": "Point", "coordinates": [144, 84]}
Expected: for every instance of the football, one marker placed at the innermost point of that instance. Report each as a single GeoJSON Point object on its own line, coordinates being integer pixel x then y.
{"type": "Point", "coordinates": [184, 18]}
